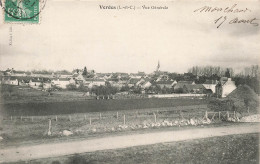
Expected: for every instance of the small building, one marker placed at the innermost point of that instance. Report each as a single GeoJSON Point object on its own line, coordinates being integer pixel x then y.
{"type": "Point", "coordinates": [181, 84]}
{"type": "Point", "coordinates": [166, 84]}
{"type": "Point", "coordinates": [194, 88]}
{"type": "Point", "coordinates": [133, 81]}
{"type": "Point", "coordinates": [35, 83]}
{"type": "Point", "coordinates": [224, 87]}
{"type": "Point", "coordinates": [210, 84]}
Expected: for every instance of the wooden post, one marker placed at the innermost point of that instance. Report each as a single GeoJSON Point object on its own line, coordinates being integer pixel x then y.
{"type": "Point", "coordinates": [206, 114]}
{"type": "Point", "coordinates": [49, 131]}
{"type": "Point", "coordinates": [234, 114]}
{"type": "Point", "coordinates": [56, 118]}
{"type": "Point", "coordinates": [21, 118]}
{"type": "Point", "coordinates": [116, 115]}
{"type": "Point", "coordinates": [227, 114]}
{"type": "Point", "coordinates": [11, 118]}
{"type": "Point", "coordinates": [32, 118]}
{"type": "Point", "coordinates": [69, 117]}
{"type": "Point", "coordinates": [100, 116]}
{"type": "Point", "coordinates": [154, 117]}
{"type": "Point", "coordinates": [85, 117]}
{"type": "Point", "coordinates": [124, 119]}
{"type": "Point", "coordinates": [219, 115]}
{"type": "Point", "coordinates": [90, 121]}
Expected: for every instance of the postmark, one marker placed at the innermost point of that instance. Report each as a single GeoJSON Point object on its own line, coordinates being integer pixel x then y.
{"type": "Point", "coordinates": [23, 11]}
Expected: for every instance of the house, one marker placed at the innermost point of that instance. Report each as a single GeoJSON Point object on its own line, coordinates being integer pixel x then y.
{"type": "Point", "coordinates": [132, 82]}
{"type": "Point", "coordinates": [180, 84]}
{"type": "Point", "coordinates": [63, 82]}
{"type": "Point", "coordinates": [193, 88]}
{"type": "Point", "coordinates": [211, 85]}
{"type": "Point", "coordinates": [36, 83]}
{"type": "Point", "coordinates": [145, 84]}
{"type": "Point", "coordinates": [90, 82]}
{"type": "Point", "coordinates": [10, 80]}
{"type": "Point", "coordinates": [225, 86]}
{"type": "Point", "coordinates": [163, 78]}
{"type": "Point", "coordinates": [166, 84]}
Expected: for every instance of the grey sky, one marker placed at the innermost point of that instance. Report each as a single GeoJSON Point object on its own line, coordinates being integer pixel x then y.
{"type": "Point", "coordinates": [77, 34]}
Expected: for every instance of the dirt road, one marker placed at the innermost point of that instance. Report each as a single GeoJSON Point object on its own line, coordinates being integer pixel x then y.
{"type": "Point", "coordinates": [59, 149]}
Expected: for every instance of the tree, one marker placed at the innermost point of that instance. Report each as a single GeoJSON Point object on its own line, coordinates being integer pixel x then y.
{"type": "Point", "coordinates": [71, 87]}
{"type": "Point", "coordinates": [227, 73]}
{"type": "Point", "coordinates": [85, 71]}
{"type": "Point", "coordinates": [179, 90]}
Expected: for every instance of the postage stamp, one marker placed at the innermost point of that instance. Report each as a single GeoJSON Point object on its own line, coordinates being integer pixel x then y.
{"type": "Point", "coordinates": [24, 11]}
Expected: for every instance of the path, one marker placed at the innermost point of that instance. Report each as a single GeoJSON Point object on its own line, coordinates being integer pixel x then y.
{"type": "Point", "coordinates": [59, 149]}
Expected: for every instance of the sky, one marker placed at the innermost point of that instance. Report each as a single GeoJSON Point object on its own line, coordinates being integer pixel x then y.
{"type": "Point", "coordinates": [74, 34]}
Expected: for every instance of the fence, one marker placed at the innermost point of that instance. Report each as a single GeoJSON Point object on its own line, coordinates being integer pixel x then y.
{"type": "Point", "coordinates": [182, 112]}
{"type": "Point", "coordinates": [88, 123]}
{"type": "Point", "coordinates": [176, 95]}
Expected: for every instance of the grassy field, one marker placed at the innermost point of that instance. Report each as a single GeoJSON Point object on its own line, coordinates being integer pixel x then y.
{"type": "Point", "coordinates": [235, 149]}
{"type": "Point", "coordinates": [52, 108]}
{"type": "Point", "coordinates": [34, 129]}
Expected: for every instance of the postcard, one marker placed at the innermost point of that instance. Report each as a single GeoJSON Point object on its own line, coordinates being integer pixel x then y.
{"type": "Point", "coordinates": [129, 81]}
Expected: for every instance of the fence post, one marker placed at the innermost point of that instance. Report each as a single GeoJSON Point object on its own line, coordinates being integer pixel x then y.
{"type": "Point", "coordinates": [219, 115]}
{"type": "Point", "coordinates": [56, 118]}
{"type": "Point", "coordinates": [234, 114]}
{"type": "Point", "coordinates": [69, 117]}
{"type": "Point", "coordinates": [227, 114]}
{"type": "Point", "coordinates": [116, 115]}
{"type": "Point", "coordinates": [206, 114]}
{"type": "Point", "coordinates": [32, 118]}
{"type": "Point", "coordinates": [100, 116]}
{"type": "Point", "coordinates": [11, 118]}
{"type": "Point", "coordinates": [21, 118]}
{"type": "Point", "coordinates": [90, 121]}
{"type": "Point", "coordinates": [49, 131]}
{"type": "Point", "coordinates": [124, 119]}
{"type": "Point", "coordinates": [154, 117]}
{"type": "Point", "coordinates": [85, 117]}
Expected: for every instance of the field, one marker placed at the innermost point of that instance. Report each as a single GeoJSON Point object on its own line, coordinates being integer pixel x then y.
{"type": "Point", "coordinates": [235, 149]}
{"type": "Point", "coordinates": [17, 129]}
{"type": "Point", "coordinates": [68, 107]}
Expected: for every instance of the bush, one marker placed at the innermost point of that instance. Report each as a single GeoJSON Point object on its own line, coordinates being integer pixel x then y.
{"type": "Point", "coordinates": [71, 87]}
{"type": "Point", "coordinates": [179, 90]}
{"type": "Point", "coordinates": [242, 100]}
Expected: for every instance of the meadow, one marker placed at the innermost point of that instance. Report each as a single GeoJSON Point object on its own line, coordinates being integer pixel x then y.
{"type": "Point", "coordinates": [70, 107]}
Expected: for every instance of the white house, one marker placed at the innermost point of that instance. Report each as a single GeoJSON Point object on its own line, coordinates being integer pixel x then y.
{"type": "Point", "coordinates": [90, 82]}
{"type": "Point", "coordinates": [10, 81]}
{"type": "Point", "coordinates": [210, 84]}
{"type": "Point", "coordinates": [35, 82]}
{"type": "Point", "coordinates": [62, 82]}
{"type": "Point", "coordinates": [224, 87]}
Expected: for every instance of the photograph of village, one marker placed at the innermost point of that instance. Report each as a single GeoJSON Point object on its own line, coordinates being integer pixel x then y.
{"type": "Point", "coordinates": [131, 82]}
{"type": "Point", "coordinates": [43, 106]}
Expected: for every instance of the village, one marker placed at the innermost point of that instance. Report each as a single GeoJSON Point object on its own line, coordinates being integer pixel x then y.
{"type": "Point", "coordinates": [156, 84]}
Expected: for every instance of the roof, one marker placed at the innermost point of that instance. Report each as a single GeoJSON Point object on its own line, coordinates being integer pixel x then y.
{"type": "Point", "coordinates": [185, 82]}
{"type": "Point", "coordinates": [133, 80]}
{"type": "Point", "coordinates": [92, 79]}
{"type": "Point", "coordinates": [164, 82]}
{"type": "Point", "coordinates": [210, 82]}
{"type": "Point", "coordinates": [195, 86]}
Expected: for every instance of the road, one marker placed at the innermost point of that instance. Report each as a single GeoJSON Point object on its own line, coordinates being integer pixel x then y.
{"type": "Point", "coordinates": [25, 153]}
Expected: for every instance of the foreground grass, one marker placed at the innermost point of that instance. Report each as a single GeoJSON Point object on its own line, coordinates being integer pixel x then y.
{"type": "Point", "coordinates": [227, 149]}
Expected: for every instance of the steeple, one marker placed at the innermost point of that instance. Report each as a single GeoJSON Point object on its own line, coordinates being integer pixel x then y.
{"type": "Point", "coordinates": [158, 66]}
